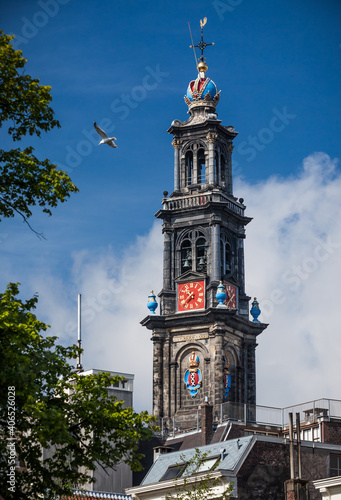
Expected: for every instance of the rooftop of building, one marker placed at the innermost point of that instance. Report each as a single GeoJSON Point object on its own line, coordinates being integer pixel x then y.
{"type": "Point", "coordinates": [311, 412]}
{"type": "Point", "coordinates": [95, 495]}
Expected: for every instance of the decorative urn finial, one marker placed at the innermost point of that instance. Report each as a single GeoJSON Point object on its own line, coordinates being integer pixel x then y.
{"type": "Point", "coordinates": [255, 311]}
{"type": "Point", "coordinates": [152, 304]}
{"type": "Point", "coordinates": [221, 294]}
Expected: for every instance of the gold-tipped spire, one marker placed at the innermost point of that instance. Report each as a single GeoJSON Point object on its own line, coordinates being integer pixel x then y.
{"type": "Point", "coordinates": [201, 65]}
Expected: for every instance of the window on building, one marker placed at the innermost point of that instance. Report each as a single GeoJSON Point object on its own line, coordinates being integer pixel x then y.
{"type": "Point", "coordinates": [186, 256]}
{"type": "Point", "coordinates": [201, 166]}
{"type": "Point", "coordinates": [335, 465]}
{"type": "Point", "coordinates": [193, 252]}
{"type": "Point", "coordinates": [173, 472]}
{"type": "Point", "coordinates": [189, 168]}
{"type": "Point", "coordinates": [201, 255]}
{"type": "Point", "coordinates": [207, 465]}
{"type": "Point", "coordinates": [225, 256]}
{"type": "Point", "coordinates": [204, 466]}
{"type": "Point", "coordinates": [222, 168]}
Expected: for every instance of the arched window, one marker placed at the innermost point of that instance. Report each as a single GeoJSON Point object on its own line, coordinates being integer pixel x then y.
{"type": "Point", "coordinates": [186, 256]}
{"type": "Point", "coordinates": [201, 166]}
{"type": "Point", "coordinates": [225, 256]}
{"type": "Point", "coordinates": [188, 168]}
{"type": "Point", "coordinates": [193, 252]}
{"type": "Point", "coordinates": [222, 169]}
{"type": "Point", "coordinates": [201, 256]}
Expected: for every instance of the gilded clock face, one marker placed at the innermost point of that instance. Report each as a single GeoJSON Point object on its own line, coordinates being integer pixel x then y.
{"type": "Point", "coordinates": [231, 299]}
{"type": "Point", "coordinates": [191, 296]}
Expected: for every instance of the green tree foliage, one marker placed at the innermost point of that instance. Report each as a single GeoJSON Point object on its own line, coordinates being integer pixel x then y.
{"type": "Point", "coordinates": [26, 181]}
{"type": "Point", "coordinates": [44, 404]}
{"type": "Point", "coordinates": [196, 485]}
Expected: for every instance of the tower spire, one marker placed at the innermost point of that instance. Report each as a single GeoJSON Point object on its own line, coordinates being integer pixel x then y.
{"type": "Point", "coordinates": [202, 66]}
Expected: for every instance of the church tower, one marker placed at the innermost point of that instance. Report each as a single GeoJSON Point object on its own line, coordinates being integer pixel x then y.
{"type": "Point", "coordinates": [204, 348]}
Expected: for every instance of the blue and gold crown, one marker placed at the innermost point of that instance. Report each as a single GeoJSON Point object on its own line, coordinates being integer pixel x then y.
{"type": "Point", "coordinates": [201, 91]}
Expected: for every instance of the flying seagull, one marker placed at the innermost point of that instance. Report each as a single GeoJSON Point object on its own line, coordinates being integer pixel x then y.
{"type": "Point", "coordinates": [105, 138]}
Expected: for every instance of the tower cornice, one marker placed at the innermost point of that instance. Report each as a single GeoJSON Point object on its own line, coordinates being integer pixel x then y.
{"type": "Point", "coordinates": [203, 318]}
{"type": "Point", "coordinates": [178, 128]}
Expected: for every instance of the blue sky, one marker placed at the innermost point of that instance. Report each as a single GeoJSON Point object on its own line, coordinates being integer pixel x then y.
{"type": "Point", "coordinates": [127, 64]}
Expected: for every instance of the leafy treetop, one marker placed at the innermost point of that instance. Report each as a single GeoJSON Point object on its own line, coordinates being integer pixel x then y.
{"type": "Point", "coordinates": [70, 415]}
{"type": "Point", "coordinates": [26, 181]}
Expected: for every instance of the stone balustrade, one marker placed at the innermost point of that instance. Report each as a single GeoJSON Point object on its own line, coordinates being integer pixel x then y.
{"type": "Point", "coordinates": [196, 200]}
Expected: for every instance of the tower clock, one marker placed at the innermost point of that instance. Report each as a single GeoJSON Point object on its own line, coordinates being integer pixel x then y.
{"type": "Point", "coordinates": [191, 295]}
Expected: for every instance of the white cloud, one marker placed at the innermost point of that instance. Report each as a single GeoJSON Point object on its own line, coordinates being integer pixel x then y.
{"type": "Point", "coordinates": [293, 266]}
{"type": "Point", "coordinates": [115, 291]}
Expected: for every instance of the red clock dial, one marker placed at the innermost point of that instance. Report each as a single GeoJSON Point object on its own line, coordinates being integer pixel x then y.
{"type": "Point", "coordinates": [191, 296]}
{"type": "Point", "coordinates": [231, 299]}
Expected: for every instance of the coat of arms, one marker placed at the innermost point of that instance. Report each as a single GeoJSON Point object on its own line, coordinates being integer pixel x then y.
{"type": "Point", "coordinates": [193, 375]}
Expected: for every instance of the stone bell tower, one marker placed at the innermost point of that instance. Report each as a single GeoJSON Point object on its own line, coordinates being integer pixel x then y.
{"type": "Point", "coordinates": [203, 350]}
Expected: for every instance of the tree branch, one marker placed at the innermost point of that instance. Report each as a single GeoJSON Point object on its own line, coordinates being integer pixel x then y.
{"type": "Point", "coordinates": [39, 235]}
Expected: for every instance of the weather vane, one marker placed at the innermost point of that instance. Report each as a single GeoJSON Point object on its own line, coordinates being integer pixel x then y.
{"type": "Point", "coordinates": [202, 44]}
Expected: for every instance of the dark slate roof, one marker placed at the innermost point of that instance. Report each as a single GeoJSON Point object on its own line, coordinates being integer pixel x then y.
{"type": "Point", "coordinates": [194, 439]}
{"type": "Point", "coordinates": [234, 453]}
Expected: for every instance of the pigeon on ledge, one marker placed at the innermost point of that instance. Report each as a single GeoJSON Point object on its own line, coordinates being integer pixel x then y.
{"type": "Point", "coordinates": [105, 138]}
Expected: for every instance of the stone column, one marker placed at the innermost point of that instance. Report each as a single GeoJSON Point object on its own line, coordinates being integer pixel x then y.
{"type": "Point", "coordinates": [219, 367]}
{"type": "Point", "coordinates": [157, 375]}
{"type": "Point", "coordinates": [215, 252]}
{"type": "Point", "coordinates": [167, 390]}
{"type": "Point", "coordinates": [176, 145]}
{"type": "Point", "coordinates": [211, 138]}
{"type": "Point", "coordinates": [251, 372]}
{"type": "Point", "coordinates": [228, 172]}
{"type": "Point", "coordinates": [173, 388]}
{"type": "Point", "coordinates": [195, 165]}
{"type": "Point", "coordinates": [167, 254]}
{"type": "Point", "coordinates": [240, 264]}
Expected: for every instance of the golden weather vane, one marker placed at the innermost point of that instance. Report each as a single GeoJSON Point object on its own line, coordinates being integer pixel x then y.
{"type": "Point", "coordinates": [203, 22]}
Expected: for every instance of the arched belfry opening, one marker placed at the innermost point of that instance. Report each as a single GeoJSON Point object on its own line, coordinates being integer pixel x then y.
{"type": "Point", "coordinates": [189, 168]}
{"type": "Point", "coordinates": [192, 252]}
{"type": "Point", "coordinates": [201, 166]}
{"type": "Point", "coordinates": [193, 164]}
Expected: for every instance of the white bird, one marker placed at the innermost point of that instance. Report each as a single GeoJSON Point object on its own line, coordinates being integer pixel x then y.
{"type": "Point", "coordinates": [105, 138]}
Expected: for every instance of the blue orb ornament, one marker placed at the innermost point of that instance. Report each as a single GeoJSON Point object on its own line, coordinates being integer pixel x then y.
{"type": "Point", "coordinates": [152, 304]}
{"type": "Point", "coordinates": [255, 311]}
{"type": "Point", "coordinates": [221, 295]}
{"type": "Point", "coordinates": [202, 90]}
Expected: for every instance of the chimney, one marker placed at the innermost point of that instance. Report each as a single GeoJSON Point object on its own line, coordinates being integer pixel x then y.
{"type": "Point", "coordinates": [161, 450]}
{"type": "Point", "coordinates": [296, 488]}
{"type": "Point", "coordinates": [206, 422]}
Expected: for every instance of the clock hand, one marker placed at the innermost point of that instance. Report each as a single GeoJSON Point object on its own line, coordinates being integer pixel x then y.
{"type": "Point", "coordinates": [190, 296]}
{"type": "Point", "coordinates": [229, 299]}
